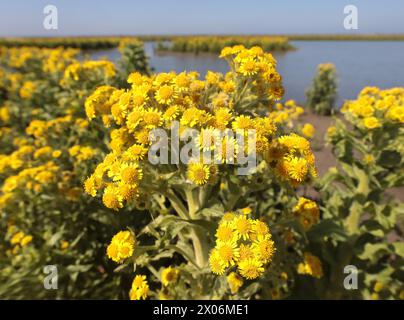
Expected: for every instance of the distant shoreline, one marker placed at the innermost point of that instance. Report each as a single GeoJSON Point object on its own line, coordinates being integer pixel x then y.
{"type": "Point", "coordinates": [105, 42]}
{"type": "Point", "coordinates": [342, 37]}
{"type": "Point", "coordinates": [314, 37]}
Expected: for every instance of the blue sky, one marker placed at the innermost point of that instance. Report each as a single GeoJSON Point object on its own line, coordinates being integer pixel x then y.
{"type": "Point", "coordinates": [124, 17]}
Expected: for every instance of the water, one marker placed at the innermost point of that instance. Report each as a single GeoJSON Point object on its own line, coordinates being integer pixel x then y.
{"type": "Point", "coordinates": [359, 64]}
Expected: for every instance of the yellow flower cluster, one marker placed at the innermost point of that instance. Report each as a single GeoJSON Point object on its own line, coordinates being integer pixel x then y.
{"type": "Point", "coordinates": [375, 108]}
{"type": "Point", "coordinates": [310, 266]}
{"type": "Point", "coordinates": [121, 247]}
{"type": "Point", "coordinates": [20, 238]}
{"type": "Point", "coordinates": [17, 239]}
{"type": "Point", "coordinates": [244, 243]}
{"type": "Point", "coordinates": [52, 60]}
{"type": "Point", "coordinates": [16, 159]}
{"type": "Point", "coordinates": [208, 106]}
{"type": "Point", "coordinates": [80, 70]}
{"type": "Point", "coordinates": [126, 177]}
{"type": "Point", "coordinates": [307, 211]}
{"type": "Point", "coordinates": [34, 178]}
{"type": "Point", "coordinates": [82, 153]}
{"type": "Point", "coordinates": [58, 59]}
{"type": "Point", "coordinates": [140, 288]}
{"type": "Point", "coordinates": [286, 113]}
{"type": "Point", "coordinates": [27, 90]}
{"type": "Point", "coordinates": [34, 164]}
{"type": "Point", "coordinates": [255, 63]}
{"type": "Point", "coordinates": [292, 158]}
{"type": "Point", "coordinates": [100, 102]}
{"type": "Point", "coordinates": [216, 43]}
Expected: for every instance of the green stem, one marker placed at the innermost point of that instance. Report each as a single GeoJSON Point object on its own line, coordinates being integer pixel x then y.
{"type": "Point", "coordinates": [154, 271]}
{"type": "Point", "coordinates": [198, 237]}
{"type": "Point", "coordinates": [177, 205]}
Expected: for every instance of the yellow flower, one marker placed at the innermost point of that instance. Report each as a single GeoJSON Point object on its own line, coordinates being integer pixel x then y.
{"type": "Point", "coordinates": [165, 94]}
{"type": "Point", "coordinates": [171, 113]}
{"type": "Point", "coordinates": [378, 287]}
{"type": "Point", "coordinates": [396, 113]}
{"type": "Point", "coordinates": [216, 263]}
{"type": "Point", "coordinates": [56, 153]}
{"type": "Point", "coordinates": [182, 82]}
{"type": "Point", "coordinates": [16, 238]}
{"type": "Point", "coordinates": [130, 174]}
{"type": "Point", "coordinates": [228, 217]}
{"type": "Point", "coordinates": [310, 266]}
{"type": "Point", "coordinates": [26, 240]}
{"type": "Point", "coordinates": [111, 198]}
{"type": "Point", "coordinates": [307, 211]}
{"type": "Point", "coordinates": [64, 245]}
{"type": "Point", "coordinates": [140, 288]}
{"type": "Point", "coordinates": [212, 78]}
{"type": "Point", "coordinates": [222, 117]}
{"type": "Point", "coordinates": [135, 78]}
{"type": "Point", "coordinates": [90, 186]}
{"type": "Point", "coordinates": [27, 90]}
{"type": "Point", "coordinates": [228, 252]}
{"type": "Point", "coordinates": [371, 122]}
{"type": "Point", "coordinates": [152, 118]}
{"type": "Point", "coordinates": [121, 247]}
{"type": "Point", "coordinates": [134, 118]}
{"type": "Point", "coordinates": [227, 150]}
{"type": "Point", "coordinates": [235, 282]}
{"type": "Point", "coordinates": [243, 123]}
{"type": "Point", "coordinates": [224, 233]}
{"type": "Point", "coordinates": [368, 159]}
{"type": "Point", "coordinates": [263, 248]}
{"type": "Point", "coordinates": [331, 131]}
{"type": "Point", "coordinates": [374, 296]}
{"type": "Point", "coordinates": [246, 210]}
{"type": "Point", "coordinates": [296, 167]}
{"type": "Point", "coordinates": [198, 173]}
{"type": "Point", "coordinates": [226, 51]}
{"type": "Point", "coordinates": [208, 139]}
{"type": "Point", "coordinates": [243, 227]}
{"type": "Point", "coordinates": [246, 252]}
{"type": "Point", "coordinates": [294, 142]}
{"type": "Point", "coordinates": [250, 268]}
{"type": "Point", "coordinates": [248, 67]}
{"type": "Point", "coordinates": [260, 228]}
{"type": "Point", "coordinates": [135, 152]}
{"type": "Point", "coordinates": [169, 275]}
{"type": "Point", "coordinates": [308, 130]}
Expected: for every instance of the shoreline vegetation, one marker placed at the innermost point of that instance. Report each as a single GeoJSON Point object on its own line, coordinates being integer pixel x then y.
{"type": "Point", "coordinates": [215, 44]}
{"type": "Point", "coordinates": [187, 42]}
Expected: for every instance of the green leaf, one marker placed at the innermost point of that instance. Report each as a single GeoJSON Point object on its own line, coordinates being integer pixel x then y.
{"type": "Point", "coordinates": [363, 181]}
{"type": "Point", "coordinates": [326, 228]}
{"type": "Point", "coordinates": [399, 248]}
{"type": "Point", "coordinates": [353, 219]}
{"type": "Point", "coordinates": [373, 251]}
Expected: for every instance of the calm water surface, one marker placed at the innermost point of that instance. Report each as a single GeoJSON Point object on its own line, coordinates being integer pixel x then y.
{"type": "Point", "coordinates": [359, 64]}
